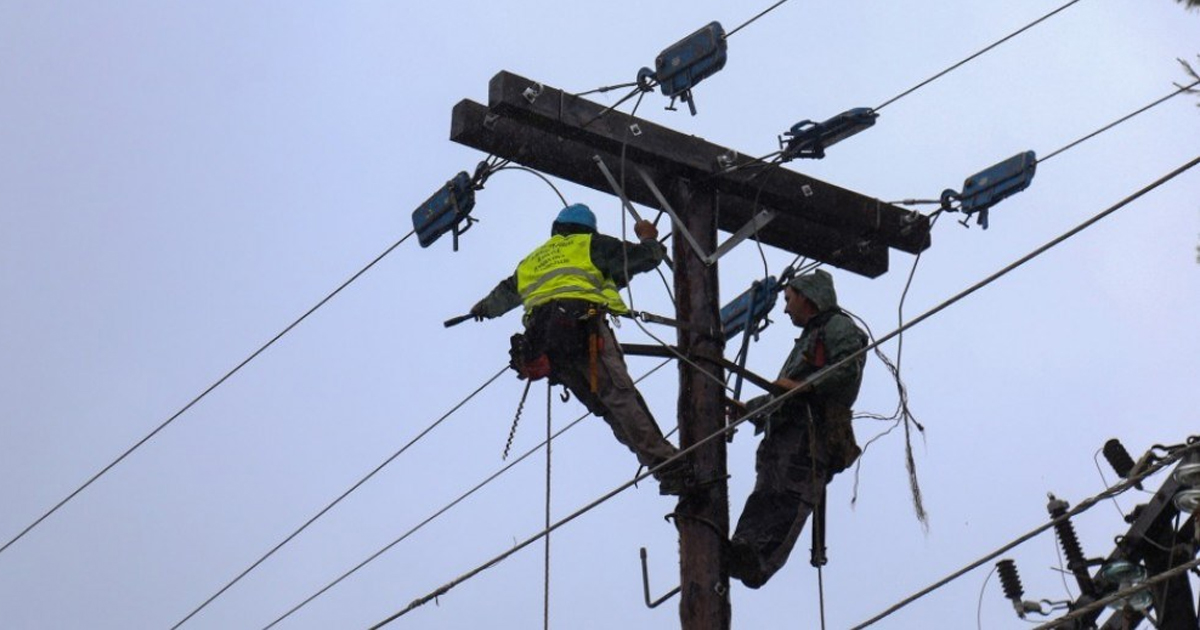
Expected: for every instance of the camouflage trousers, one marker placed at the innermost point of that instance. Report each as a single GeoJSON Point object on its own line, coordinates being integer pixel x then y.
{"type": "Point", "coordinates": [790, 484]}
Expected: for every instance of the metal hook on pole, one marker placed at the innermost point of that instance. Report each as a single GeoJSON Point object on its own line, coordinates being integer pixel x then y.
{"type": "Point", "coordinates": [646, 586]}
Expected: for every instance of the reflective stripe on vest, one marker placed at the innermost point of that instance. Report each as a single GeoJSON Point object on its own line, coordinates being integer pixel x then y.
{"type": "Point", "coordinates": [562, 268]}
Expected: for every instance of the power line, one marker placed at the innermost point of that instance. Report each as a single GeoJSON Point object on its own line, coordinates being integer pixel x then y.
{"type": "Point", "coordinates": [751, 20]}
{"type": "Point", "coordinates": [197, 399]}
{"type": "Point", "coordinates": [972, 57]}
{"type": "Point", "coordinates": [779, 400]}
{"type": "Point", "coordinates": [443, 510]}
{"type": "Point", "coordinates": [1083, 506]}
{"type": "Point", "coordinates": [1101, 130]}
{"type": "Point", "coordinates": [330, 506]}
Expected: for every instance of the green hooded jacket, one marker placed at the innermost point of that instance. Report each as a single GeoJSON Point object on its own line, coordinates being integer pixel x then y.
{"type": "Point", "coordinates": [830, 336]}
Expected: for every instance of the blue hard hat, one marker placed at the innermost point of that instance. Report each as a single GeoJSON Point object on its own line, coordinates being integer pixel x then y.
{"type": "Point", "coordinates": [578, 214]}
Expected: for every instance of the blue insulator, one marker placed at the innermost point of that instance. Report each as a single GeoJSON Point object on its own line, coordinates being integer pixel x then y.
{"type": "Point", "coordinates": [810, 139]}
{"type": "Point", "coordinates": [992, 185]}
{"type": "Point", "coordinates": [685, 63]}
{"type": "Point", "coordinates": [445, 211]}
{"type": "Point", "coordinates": [749, 307]}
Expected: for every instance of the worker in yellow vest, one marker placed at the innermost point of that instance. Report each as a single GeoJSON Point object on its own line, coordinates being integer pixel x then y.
{"type": "Point", "coordinates": [568, 286]}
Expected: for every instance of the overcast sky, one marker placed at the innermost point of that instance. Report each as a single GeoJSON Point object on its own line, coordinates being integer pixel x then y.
{"type": "Point", "coordinates": [179, 181]}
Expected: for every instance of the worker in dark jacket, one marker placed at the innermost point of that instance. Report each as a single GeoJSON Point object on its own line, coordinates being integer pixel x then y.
{"type": "Point", "coordinates": [808, 438]}
{"type": "Point", "coordinates": [568, 286]}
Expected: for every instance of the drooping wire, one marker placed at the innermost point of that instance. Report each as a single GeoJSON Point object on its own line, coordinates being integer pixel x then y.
{"type": "Point", "coordinates": [821, 592]}
{"type": "Point", "coordinates": [546, 563]}
{"type": "Point", "coordinates": [339, 499]}
{"type": "Point", "coordinates": [901, 416]}
{"type": "Point", "coordinates": [443, 510]}
{"type": "Point", "coordinates": [974, 56]}
{"type": "Point", "coordinates": [204, 393]}
{"type": "Point", "coordinates": [543, 178]}
{"type": "Point", "coordinates": [906, 415]}
{"type": "Point", "coordinates": [1080, 508]}
{"type": "Point", "coordinates": [817, 377]}
{"type": "Point", "coordinates": [1062, 568]}
{"type": "Point", "coordinates": [1104, 480]}
{"type": "Point", "coordinates": [979, 606]}
{"type": "Point", "coordinates": [628, 281]}
{"type": "Point", "coordinates": [624, 229]}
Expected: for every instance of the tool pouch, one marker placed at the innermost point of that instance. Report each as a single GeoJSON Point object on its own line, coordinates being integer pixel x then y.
{"type": "Point", "coordinates": [840, 445]}
{"type": "Point", "coordinates": [525, 360]}
{"type": "Point", "coordinates": [561, 328]}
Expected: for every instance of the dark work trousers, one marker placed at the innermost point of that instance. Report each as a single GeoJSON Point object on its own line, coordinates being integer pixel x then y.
{"type": "Point", "coordinates": [616, 399]}
{"type": "Point", "coordinates": [789, 485]}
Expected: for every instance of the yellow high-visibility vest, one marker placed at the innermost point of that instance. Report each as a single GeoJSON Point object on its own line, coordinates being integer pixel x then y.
{"type": "Point", "coordinates": [562, 268]}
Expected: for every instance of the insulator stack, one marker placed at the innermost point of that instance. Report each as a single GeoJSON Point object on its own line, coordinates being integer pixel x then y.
{"type": "Point", "coordinates": [1010, 581]}
{"type": "Point", "coordinates": [1118, 457]}
{"type": "Point", "coordinates": [1066, 535]}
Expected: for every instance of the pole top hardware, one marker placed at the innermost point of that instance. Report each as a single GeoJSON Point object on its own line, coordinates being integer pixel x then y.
{"type": "Point", "coordinates": [682, 65]}
{"type": "Point", "coordinates": [990, 186]}
{"type": "Point", "coordinates": [808, 139]}
{"type": "Point", "coordinates": [447, 209]}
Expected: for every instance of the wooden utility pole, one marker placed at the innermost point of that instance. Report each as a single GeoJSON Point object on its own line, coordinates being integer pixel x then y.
{"type": "Point", "coordinates": [549, 130]}
{"type": "Point", "coordinates": [702, 516]}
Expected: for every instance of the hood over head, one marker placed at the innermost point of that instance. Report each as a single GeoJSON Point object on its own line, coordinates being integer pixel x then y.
{"type": "Point", "coordinates": [818, 288]}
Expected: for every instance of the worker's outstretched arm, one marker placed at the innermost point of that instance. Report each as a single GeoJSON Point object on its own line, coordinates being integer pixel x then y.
{"type": "Point", "coordinates": [501, 300]}
{"type": "Point", "coordinates": [613, 256]}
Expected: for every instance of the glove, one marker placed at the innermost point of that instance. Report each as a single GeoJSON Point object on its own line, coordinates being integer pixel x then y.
{"type": "Point", "coordinates": [478, 312]}
{"type": "Point", "coordinates": [645, 230]}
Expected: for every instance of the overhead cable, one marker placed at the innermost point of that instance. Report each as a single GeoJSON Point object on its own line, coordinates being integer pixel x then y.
{"type": "Point", "coordinates": [345, 494]}
{"type": "Point", "coordinates": [443, 510]}
{"type": "Point", "coordinates": [972, 57]}
{"type": "Point", "coordinates": [206, 392]}
{"type": "Point", "coordinates": [1083, 506]}
{"type": "Point", "coordinates": [1101, 130]}
{"type": "Point", "coordinates": [751, 20]}
{"type": "Point", "coordinates": [780, 400]}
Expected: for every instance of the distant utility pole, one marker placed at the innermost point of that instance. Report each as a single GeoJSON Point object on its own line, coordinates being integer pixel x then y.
{"type": "Point", "coordinates": [549, 130]}
{"type": "Point", "coordinates": [1155, 545]}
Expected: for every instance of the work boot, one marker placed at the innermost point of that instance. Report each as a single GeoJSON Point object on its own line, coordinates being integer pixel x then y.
{"type": "Point", "coordinates": [744, 563]}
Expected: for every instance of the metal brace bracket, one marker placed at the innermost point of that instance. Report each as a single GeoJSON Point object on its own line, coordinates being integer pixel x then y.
{"type": "Point", "coordinates": [620, 192]}
{"type": "Point", "coordinates": [752, 226]}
